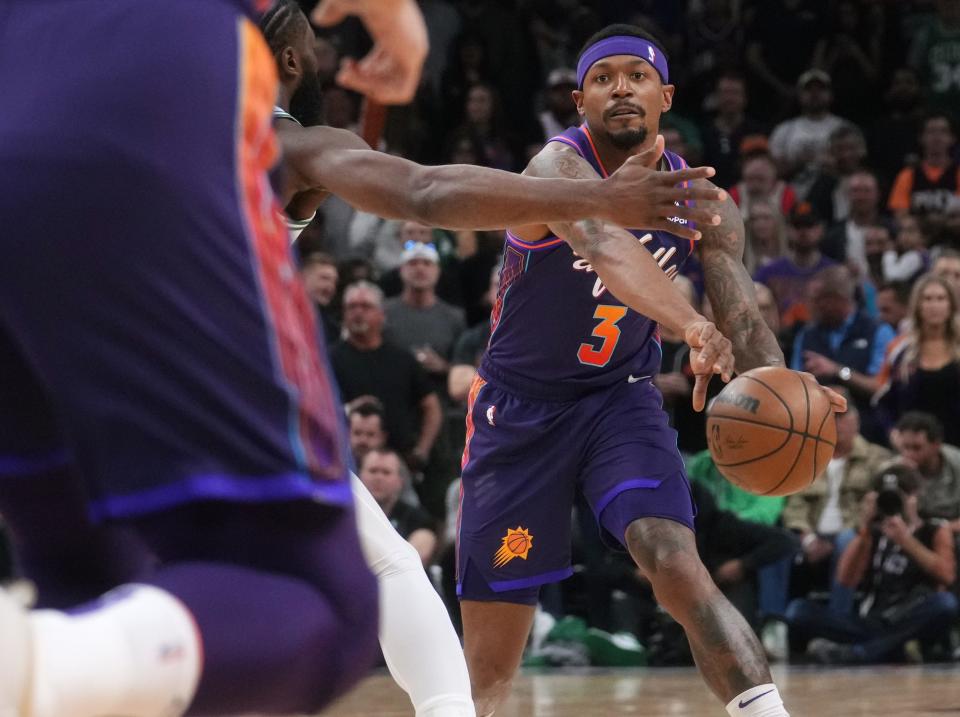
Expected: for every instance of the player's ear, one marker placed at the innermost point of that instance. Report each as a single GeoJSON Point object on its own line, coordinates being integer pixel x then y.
{"type": "Point", "coordinates": [667, 98]}
{"type": "Point", "coordinates": [290, 63]}
{"type": "Point", "coordinates": [578, 98]}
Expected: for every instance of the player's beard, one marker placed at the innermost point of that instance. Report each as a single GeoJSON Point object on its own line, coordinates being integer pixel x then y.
{"type": "Point", "coordinates": [306, 104]}
{"type": "Point", "coordinates": [628, 138]}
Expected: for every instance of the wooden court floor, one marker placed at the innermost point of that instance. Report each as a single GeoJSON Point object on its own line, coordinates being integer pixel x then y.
{"type": "Point", "coordinates": [931, 691]}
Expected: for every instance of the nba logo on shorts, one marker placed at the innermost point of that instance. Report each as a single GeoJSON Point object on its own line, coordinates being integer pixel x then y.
{"type": "Point", "coordinates": [515, 544]}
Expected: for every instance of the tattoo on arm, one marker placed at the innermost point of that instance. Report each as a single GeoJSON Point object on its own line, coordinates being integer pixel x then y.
{"type": "Point", "coordinates": [564, 163]}
{"type": "Point", "coordinates": [732, 295]}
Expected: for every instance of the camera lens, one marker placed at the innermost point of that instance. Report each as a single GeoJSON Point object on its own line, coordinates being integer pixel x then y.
{"type": "Point", "coordinates": [889, 502]}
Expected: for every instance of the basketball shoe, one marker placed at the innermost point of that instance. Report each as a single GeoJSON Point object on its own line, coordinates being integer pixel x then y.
{"type": "Point", "coordinates": [14, 656]}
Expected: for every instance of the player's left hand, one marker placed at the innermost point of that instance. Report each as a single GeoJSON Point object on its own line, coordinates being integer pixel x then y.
{"type": "Point", "coordinates": [390, 73]}
{"type": "Point", "coordinates": [837, 401]}
{"type": "Point", "coordinates": [710, 353]}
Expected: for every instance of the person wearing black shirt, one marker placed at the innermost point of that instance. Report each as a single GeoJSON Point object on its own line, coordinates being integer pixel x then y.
{"type": "Point", "coordinates": [366, 365]}
{"type": "Point", "coordinates": [384, 475]}
{"type": "Point", "coordinates": [725, 132]}
{"type": "Point", "coordinates": [320, 277]}
{"type": "Point", "coordinates": [902, 565]}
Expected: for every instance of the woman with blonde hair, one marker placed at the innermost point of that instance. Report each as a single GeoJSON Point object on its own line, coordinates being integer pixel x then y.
{"type": "Point", "coordinates": [922, 368]}
{"type": "Point", "coordinates": [765, 233]}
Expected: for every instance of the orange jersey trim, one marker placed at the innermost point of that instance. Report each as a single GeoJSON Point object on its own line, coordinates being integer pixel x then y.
{"type": "Point", "coordinates": [475, 387]}
{"type": "Point", "coordinates": [313, 424]}
{"type": "Point", "coordinates": [593, 148]}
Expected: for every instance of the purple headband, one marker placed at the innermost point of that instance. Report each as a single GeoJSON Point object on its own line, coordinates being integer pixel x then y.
{"type": "Point", "coordinates": [622, 45]}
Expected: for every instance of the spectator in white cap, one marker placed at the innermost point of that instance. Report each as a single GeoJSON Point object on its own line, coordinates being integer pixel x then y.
{"type": "Point", "coordinates": [560, 111]}
{"type": "Point", "coordinates": [418, 319]}
{"type": "Point", "coordinates": [797, 144]}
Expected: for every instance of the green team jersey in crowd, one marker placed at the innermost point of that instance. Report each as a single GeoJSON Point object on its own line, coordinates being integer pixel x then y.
{"type": "Point", "coordinates": [935, 54]}
{"type": "Point", "coordinates": [755, 508]}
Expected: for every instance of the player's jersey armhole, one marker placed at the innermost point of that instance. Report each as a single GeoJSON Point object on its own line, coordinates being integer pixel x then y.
{"type": "Point", "coordinates": [568, 142]}
{"type": "Point", "coordinates": [547, 242]}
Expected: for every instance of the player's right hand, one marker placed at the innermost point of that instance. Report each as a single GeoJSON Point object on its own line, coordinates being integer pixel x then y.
{"type": "Point", "coordinates": [710, 353]}
{"type": "Point", "coordinates": [390, 73]}
{"type": "Point", "coordinates": [640, 197]}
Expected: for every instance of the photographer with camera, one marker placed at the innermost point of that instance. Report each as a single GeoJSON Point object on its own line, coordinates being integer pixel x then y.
{"type": "Point", "coordinates": [901, 564]}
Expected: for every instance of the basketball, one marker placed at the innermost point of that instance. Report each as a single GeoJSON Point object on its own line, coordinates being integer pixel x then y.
{"type": "Point", "coordinates": [771, 431]}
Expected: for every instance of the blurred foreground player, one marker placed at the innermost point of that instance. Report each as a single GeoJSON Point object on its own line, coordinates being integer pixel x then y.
{"type": "Point", "coordinates": [175, 369]}
{"type": "Point", "coordinates": [323, 159]}
{"type": "Point", "coordinates": [564, 400]}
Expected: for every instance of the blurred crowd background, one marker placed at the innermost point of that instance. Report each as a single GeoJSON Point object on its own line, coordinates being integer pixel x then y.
{"type": "Point", "coordinates": [833, 126]}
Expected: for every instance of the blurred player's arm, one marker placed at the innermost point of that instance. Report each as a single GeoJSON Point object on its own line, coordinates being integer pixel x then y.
{"type": "Point", "coordinates": [390, 73]}
{"type": "Point", "coordinates": [464, 196]}
{"type": "Point", "coordinates": [731, 292]}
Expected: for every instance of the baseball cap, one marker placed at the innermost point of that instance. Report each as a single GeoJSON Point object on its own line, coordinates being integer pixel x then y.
{"type": "Point", "coordinates": [814, 75]}
{"type": "Point", "coordinates": [562, 76]}
{"type": "Point", "coordinates": [419, 250]}
{"type": "Point", "coordinates": [803, 214]}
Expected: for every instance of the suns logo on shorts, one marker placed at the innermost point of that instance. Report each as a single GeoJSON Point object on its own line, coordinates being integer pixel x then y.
{"type": "Point", "coordinates": [516, 544]}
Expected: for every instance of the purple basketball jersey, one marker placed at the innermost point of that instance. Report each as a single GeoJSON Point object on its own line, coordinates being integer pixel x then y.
{"type": "Point", "coordinates": [557, 332]}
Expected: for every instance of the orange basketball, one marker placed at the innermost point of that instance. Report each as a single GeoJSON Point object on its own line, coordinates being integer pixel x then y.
{"type": "Point", "coordinates": [771, 431]}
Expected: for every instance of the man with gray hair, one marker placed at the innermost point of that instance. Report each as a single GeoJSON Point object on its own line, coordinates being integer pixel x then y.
{"type": "Point", "coordinates": [846, 240]}
{"type": "Point", "coordinates": [841, 344]}
{"type": "Point", "coordinates": [366, 365]}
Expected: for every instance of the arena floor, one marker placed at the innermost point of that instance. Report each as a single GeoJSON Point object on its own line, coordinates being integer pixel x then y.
{"type": "Point", "coordinates": [807, 691]}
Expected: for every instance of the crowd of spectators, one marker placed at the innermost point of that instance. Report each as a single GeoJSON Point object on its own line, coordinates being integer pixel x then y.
{"type": "Point", "coordinates": [833, 126]}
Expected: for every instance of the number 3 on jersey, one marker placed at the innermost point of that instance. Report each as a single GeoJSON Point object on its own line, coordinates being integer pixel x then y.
{"type": "Point", "coordinates": [607, 330]}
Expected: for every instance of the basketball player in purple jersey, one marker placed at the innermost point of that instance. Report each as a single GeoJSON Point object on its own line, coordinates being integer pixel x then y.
{"type": "Point", "coordinates": [564, 401]}
{"type": "Point", "coordinates": [159, 349]}
{"type": "Point", "coordinates": [321, 159]}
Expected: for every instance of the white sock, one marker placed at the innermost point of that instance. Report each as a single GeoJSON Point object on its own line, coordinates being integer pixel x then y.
{"type": "Point", "coordinates": [759, 701]}
{"type": "Point", "coordinates": [419, 644]}
{"type": "Point", "coordinates": [137, 654]}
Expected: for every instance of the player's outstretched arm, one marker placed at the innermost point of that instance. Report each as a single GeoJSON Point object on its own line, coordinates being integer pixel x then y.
{"type": "Point", "coordinates": [733, 299]}
{"type": "Point", "coordinates": [468, 197]}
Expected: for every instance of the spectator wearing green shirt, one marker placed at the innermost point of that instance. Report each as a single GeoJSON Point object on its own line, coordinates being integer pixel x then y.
{"type": "Point", "coordinates": [765, 510]}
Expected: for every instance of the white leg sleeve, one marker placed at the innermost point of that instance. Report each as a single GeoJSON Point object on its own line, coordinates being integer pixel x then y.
{"type": "Point", "coordinates": [420, 645]}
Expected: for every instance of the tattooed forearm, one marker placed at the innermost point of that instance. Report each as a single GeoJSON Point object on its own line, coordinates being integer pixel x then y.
{"type": "Point", "coordinates": [627, 269]}
{"type": "Point", "coordinates": [582, 235]}
{"type": "Point", "coordinates": [731, 293]}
